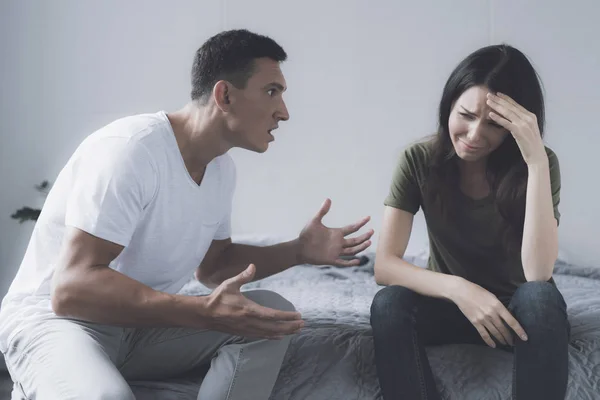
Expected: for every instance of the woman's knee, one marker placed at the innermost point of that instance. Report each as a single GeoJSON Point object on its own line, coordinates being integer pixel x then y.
{"type": "Point", "coordinates": [538, 303]}
{"type": "Point", "coordinates": [392, 302]}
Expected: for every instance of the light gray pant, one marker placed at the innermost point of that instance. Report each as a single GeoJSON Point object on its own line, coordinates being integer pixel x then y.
{"type": "Point", "coordinates": [63, 359]}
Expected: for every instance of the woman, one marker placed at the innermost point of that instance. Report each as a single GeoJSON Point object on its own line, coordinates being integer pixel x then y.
{"type": "Point", "coordinates": [489, 190]}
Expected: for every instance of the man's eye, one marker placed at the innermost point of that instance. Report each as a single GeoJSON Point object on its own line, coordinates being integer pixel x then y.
{"type": "Point", "coordinates": [271, 92]}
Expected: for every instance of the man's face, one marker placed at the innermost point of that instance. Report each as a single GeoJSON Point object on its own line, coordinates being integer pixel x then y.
{"type": "Point", "coordinates": [257, 109]}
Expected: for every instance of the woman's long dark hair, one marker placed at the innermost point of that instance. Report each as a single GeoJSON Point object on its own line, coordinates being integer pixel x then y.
{"type": "Point", "coordinates": [500, 68]}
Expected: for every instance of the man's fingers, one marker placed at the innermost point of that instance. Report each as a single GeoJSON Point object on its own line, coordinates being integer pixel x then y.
{"type": "Point", "coordinates": [270, 329]}
{"type": "Point", "coordinates": [252, 325]}
{"type": "Point", "coordinates": [270, 314]}
{"type": "Point", "coordinates": [267, 322]}
{"type": "Point", "coordinates": [514, 324]}
{"type": "Point", "coordinates": [323, 210]}
{"type": "Point", "coordinates": [347, 230]}
{"type": "Point", "coordinates": [346, 263]}
{"type": "Point", "coordinates": [242, 278]}
{"type": "Point", "coordinates": [352, 251]}
{"type": "Point", "coordinates": [355, 241]}
{"type": "Point", "coordinates": [265, 331]}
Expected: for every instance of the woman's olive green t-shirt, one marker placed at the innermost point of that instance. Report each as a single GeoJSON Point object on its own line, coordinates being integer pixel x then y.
{"type": "Point", "coordinates": [469, 244]}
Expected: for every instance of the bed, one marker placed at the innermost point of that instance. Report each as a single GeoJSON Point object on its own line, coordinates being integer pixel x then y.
{"type": "Point", "coordinates": [332, 358]}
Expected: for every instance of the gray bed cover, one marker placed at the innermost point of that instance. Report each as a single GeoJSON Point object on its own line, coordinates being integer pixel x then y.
{"type": "Point", "coordinates": [332, 358]}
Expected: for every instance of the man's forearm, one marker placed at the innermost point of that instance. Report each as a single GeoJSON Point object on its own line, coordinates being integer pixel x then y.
{"type": "Point", "coordinates": [269, 260]}
{"type": "Point", "coordinates": [105, 296]}
{"type": "Point", "coordinates": [540, 237]}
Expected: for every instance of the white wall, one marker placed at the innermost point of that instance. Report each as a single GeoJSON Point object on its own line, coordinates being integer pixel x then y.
{"type": "Point", "coordinates": [364, 81]}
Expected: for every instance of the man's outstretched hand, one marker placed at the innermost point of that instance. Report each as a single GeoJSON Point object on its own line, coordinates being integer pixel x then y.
{"type": "Point", "coordinates": [231, 312]}
{"type": "Point", "coordinates": [321, 245]}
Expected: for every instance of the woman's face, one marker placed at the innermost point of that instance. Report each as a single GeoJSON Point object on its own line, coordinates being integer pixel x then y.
{"type": "Point", "coordinates": [473, 134]}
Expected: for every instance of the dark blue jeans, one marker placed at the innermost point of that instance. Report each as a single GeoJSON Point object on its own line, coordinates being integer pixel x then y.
{"type": "Point", "coordinates": [404, 322]}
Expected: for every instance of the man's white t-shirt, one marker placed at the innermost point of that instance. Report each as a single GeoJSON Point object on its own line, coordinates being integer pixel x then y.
{"type": "Point", "coordinates": [126, 183]}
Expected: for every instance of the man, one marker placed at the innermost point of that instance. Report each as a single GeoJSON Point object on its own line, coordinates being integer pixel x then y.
{"type": "Point", "coordinates": [141, 204]}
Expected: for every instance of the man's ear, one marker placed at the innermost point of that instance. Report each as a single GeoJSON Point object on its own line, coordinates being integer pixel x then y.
{"type": "Point", "coordinates": [221, 94]}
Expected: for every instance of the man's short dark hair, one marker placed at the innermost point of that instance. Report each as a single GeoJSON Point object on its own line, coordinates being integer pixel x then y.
{"type": "Point", "coordinates": [230, 56]}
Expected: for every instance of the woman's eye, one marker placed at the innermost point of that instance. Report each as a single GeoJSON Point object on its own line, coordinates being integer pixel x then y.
{"type": "Point", "coordinates": [466, 116]}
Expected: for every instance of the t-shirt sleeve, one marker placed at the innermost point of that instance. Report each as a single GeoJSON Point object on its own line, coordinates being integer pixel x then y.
{"type": "Point", "coordinates": [113, 181]}
{"type": "Point", "coordinates": [229, 181]}
{"type": "Point", "coordinates": [404, 192]}
{"type": "Point", "coordinates": [554, 182]}
{"type": "Point", "coordinates": [224, 230]}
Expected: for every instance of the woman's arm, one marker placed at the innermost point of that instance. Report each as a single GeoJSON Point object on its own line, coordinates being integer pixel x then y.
{"type": "Point", "coordinates": [487, 314]}
{"type": "Point", "coordinates": [539, 249]}
{"type": "Point", "coordinates": [392, 269]}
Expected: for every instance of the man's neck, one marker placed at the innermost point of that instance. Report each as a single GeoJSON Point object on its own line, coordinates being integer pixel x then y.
{"type": "Point", "coordinates": [199, 137]}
